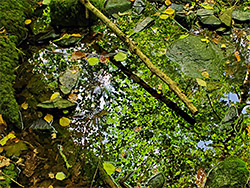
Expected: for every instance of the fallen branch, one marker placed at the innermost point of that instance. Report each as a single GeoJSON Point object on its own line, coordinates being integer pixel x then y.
{"type": "Point", "coordinates": [134, 49]}
{"type": "Point", "coordinates": [154, 93]}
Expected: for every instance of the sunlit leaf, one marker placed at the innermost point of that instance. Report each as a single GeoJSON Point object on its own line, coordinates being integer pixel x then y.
{"type": "Point", "coordinates": [109, 168]}
{"type": "Point", "coordinates": [168, 2]}
{"type": "Point", "coordinates": [24, 105]}
{"type": "Point", "coordinates": [120, 56]}
{"type": "Point", "coordinates": [77, 55]}
{"type": "Point", "coordinates": [237, 55]}
{"type": "Point", "coordinates": [76, 35]}
{"type": "Point", "coordinates": [205, 40]}
{"type": "Point", "coordinates": [60, 176]}
{"type": "Point", "coordinates": [48, 118]}
{"type": "Point", "coordinates": [54, 96]}
{"type": "Point", "coordinates": [183, 36]}
{"type": "Point", "coordinates": [164, 16]}
{"type": "Point", "coordinates": [169, 11]}
{"type": "Point", "coordinates": [205, 74]}
{"type": "Point", "coordinates": [28, 21]}
{"type": "Point", "coordinates": [201, 82]}
{"type": "Point", "coordinates": [200, 178]}
{"type": "Point", "coordinates": [93, 60]}
{"type": "Point", "coordinates": [223, 46]}
{"type": "Point", "coordinates": [46, 2]}
{"type": "Point", "coordinates": [64, 121]}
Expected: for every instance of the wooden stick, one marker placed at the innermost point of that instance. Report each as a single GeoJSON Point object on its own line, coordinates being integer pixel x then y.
{"type": "Point", "coordinates": [134, 49]}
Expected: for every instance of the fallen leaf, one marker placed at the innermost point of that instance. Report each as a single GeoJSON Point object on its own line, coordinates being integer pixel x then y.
{"type": "Point", "coordinates": [15, 149]}
{"type": "Point", "coordinates": [1, 149]}
{"type": "Point", "coordinates": [77, 55]}
{"type": "Point", "coordinates": [205, 40]}
{"type": "Point", "coordinates": [169, 11]}
{"type": "Point", "coordinates": [205, 74]}
{"type": "Point", "coordinates": [64, 121]}
{"type": "Point", "coordinates": [118, 169]}
{"type": "Point", "coordinates": [237, 55]}
{"type": "Point", "coordinates": [215, 40]}
{"type": "Point", "coordinates": [201, 82]}
{"type": "Point", "coordinates": [104, 59]}
{"type": "Point", "coordinates": [164, 16]}
{"type": "Point", "coordinates": [6, 138]}
{"type": "Point", "coordinates": [137, 129]}
{"type": "Point", "coordinates": [93, 60]}
{"type": "Point", "coordinates": [54, 96]}
{"type": "Point", "coordinates": [51, 175]}
{"type": "Point", "coordinates": [4, 161]}
{"type": "Point", "coordinates": [223, 46]}
{"type": "Point", "coordinates": [48, 118]}
{"type": "Point", "coordinates": [60, 176]}
{"type": "Point", "coordinates": [73, 97]}
{"type": "Point", "coordinates": [109, 168]}
{"type": "Point", "coordinates": [120, 56]}
{"type": "Point", "coordinates": [200, 178]}
{"type": "Point", "coordinates": [76, 35]}
{"type": "Point", "coordinates": [168, 2]}
{"type": "Point", "coordinates": [24, 106]}
{"type": "Point", "coordinates": [27, 22]}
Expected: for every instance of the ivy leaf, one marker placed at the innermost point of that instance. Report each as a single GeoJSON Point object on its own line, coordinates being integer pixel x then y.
{"type": "Point", "coordinates": [109, 168]}
{"type": "Point", "coordinates": [201, 82]}
{"type": "Point", "coordinates": [60, 176]}
{"type": "Point", "coordinates": [120, 56]}
{"type": "Point", "coordinates": [93, 60]}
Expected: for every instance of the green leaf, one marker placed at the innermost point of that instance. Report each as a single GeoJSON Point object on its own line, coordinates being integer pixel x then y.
{"type": "Point", "coordinates": [201, 82]}
{"type": "Point", "coordinates": [120, 56]}
{"type": "Point", "coordinates": [60, 176]}
{"type": "Point", "coordinates": [46, 2]}
{"type": "Point", "coordinates": [93, 60]}
{"type": "Point", "coordinates": [109, 168]}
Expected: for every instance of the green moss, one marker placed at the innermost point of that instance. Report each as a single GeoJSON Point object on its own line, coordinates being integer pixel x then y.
{"type": "Point", "coordinates": [230, 173]}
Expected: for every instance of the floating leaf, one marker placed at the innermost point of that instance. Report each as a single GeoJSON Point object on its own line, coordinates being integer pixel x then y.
{"type": "Point", "coordinates": [76, 35]}
{"type": "Point", "coordinates": [237, 55]}
{"type": "Point", "coordinates": [60, 176]}
{"type": "Point", "coordinates": [120, 56]}
{"type": "Point", "coordinates": [168, 2]}
{"type": "Point", "coordinates": [48, 118]}
{"type": "Point", "coordinates": [24, 106]}
{"type": "Point", "coordinates": [109, 168]}
{"type": "Point", "coordinates": [205, 74]}
{"type": "Point", "coordinates": [93, 60]}
{"type": "Point", "coordinates": [54, 96]}
{"type": "Point", "coordinates": [77, 55]}
{"type": "Point", "coordinates": [28, 21]}
{"type": "Point", "coordinates": [164, 16]}
{"type": "Point", "coordinates": [169, 11]}
{"type": "Point", "coordinates": [200, 178]}
{"type": "Point", "coordinates": [201, 82]}
{"type": "Point", "coordinates": [64, 121]}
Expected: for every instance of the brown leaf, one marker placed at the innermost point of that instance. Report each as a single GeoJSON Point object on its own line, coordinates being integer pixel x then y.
{"type": "Point", "coordinates": [200, 178]}
{"type": "Point", "coordinates": [237, 55]}
{"type": "Point", "coordinates": [77, 55]}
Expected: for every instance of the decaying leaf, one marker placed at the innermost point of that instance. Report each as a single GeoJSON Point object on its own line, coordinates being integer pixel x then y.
{"type": "Point", "coordinates": [78, 55]}
{"type": "Point", "coordinates": [118, 169]}
{"type": "Point", "coordinates": [24, 105]}
{"type": "Point", "coordinates": [48, 118]}
{"type": "Point", "coordinates": [201, 82]}
{"type": "Point", "coordinates": [64, 121]}
{"type": "Point", "coordinates": [4, 161]}
{"type": "Point", "coordinates": [109, 168]}
{"type": "Point", "coordinates": [200, 178]}
{"type": "Point", "coordinates": [215, 40]}
{"type": "Point", "coordinates": [15, 149]}
{"type": "Point", "coordinates": [6, 138]}
{"type": "Point", "coordinates": [237, 55]}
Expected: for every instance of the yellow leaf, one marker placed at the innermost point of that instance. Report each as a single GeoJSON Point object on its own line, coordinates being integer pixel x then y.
{"type": "Point", "coordinates": [28, 21]}
{"type": "Point", "coordinates": [24, 106]}
{"type": "Point", "coordinates": [51, 186]}
{"type": "Point", "coordinates": [53, 135]}
{"type": "Point", "coordinates": [205, 74]}
{"type": "Point", "coordinates": [60, 176]}
{"type": "Point", "coordinates": [164, 16]}
{"type": "Point", "coordinates": [48, 118]}
{"type": "Point", "coordinates": [11, 136]}
{"type": "Point", "coordinates": [205, 40]}
{"type": "Point", "coordinates": [201, 82]}
{"type": "Point", "coordinates": [169, 11]}
{"type": "Point", "coordinates": [2, 122]}
{"type": "Point", "coordinates": [109, 168]}
{"type": "Point", "coordinates": [54, 96]}
{"type": "Point", "coordinates": [118, 169]}
{"type": "Point", "coordinates": [6, 138]}
{"type": "Point", "coordinates": [168, 2]}
{"type": "Point", "coordinates": [64, 121]}
{"type": "Point", "coordinates": [223, 46]}
{"type": "Point", "coordinates": [237, 55]}
{"type": "Point", "coordinates": [76, 35]}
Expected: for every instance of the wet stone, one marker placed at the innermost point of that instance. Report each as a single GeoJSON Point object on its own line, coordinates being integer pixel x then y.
{"type": "Point", "coordinates": [68, 80]}
{"type": "Point", "coordinates": [115, 6]}
{"type": "Point", "coordinates": [241, 16]}
{"type": "Point", "coordinates": [210, 20]}
{"type": "Point", "coordinates": [205, 12]}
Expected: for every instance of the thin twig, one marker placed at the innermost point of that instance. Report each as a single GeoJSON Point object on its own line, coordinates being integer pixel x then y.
{"type": "Point", "coordinates": [12, 179]}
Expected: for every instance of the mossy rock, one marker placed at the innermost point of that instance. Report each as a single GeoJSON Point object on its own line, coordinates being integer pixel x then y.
{"type": "Point", "coordinates": [231, 173]}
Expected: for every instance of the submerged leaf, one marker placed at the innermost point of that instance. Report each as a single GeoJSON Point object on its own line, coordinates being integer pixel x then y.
{"type": "Point", "coordinates": [93, 60]}
{"type": "Point", "coordinates": [201, 82]}
{"type": "Point", "coordinates": [60, 176]}
{"type": "Point", "coordinates": [120, 56]}
{"type": "Point", "coordinates": [109, 168]}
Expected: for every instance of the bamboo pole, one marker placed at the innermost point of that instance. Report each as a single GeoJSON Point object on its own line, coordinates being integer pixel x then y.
{"type": "Point", "coordinates": [134, 49]}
